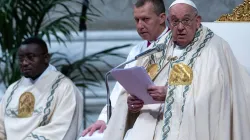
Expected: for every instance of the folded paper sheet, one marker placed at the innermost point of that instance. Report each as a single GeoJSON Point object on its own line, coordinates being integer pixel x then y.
{"type": "Point", "coordinates": [135, 81]}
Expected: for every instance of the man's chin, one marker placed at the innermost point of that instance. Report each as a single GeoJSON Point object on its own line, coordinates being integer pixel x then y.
{"type": "Point", "coordinates": [145, 37]}
{"type": "Point", "coordinates": [181, 43]}
{"type": "Point", "coordinates": [27, 75]}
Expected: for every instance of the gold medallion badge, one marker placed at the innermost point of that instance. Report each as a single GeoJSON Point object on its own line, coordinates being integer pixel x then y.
{"type": "Point", "coordinates": [181, 74]}
{"type": "Point", "coordinates": [26, 105]}
{"type": "Point", "coordinates": [152, 70]}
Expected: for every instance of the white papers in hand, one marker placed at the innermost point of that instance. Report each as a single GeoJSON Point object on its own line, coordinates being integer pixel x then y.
{"type": "Point", "coordinates": [135, 81]}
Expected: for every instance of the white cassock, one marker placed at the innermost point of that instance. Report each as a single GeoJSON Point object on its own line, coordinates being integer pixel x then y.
{"type": "Point", "coordinates": [54, 103]}
{"type": "Point", "coordinates": [208, 95]}
{"type": "Point", "coordinates": [139, 48]}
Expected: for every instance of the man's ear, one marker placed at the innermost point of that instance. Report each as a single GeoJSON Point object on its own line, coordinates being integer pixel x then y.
{"type": "Point", "coordinates": [168, 23]}
{"type": "Point", "coordinates": [163, 18]}
{"type": "Point", "coordinates": [47, 58]}
{"type": "Point", "coordinates": [198, 21]}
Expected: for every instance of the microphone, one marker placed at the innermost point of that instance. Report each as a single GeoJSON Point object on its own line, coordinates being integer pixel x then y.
{"type": "Point", "coordinates": [109, 106]}
{"type": "Point", "coordinates": [158, 48]}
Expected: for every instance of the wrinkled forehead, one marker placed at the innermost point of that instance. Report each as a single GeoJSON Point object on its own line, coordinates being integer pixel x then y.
{"type": "Point", "coordinates": [181, 10]}
{"type": "Point", "coordinates": [29, 48]}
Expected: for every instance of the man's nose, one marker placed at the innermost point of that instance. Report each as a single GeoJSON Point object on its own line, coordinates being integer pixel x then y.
{"type": "Point", "coordinates": [180, 26]}
{"type": "Point", "coordinates": [140, 24]}
{"type": "Point", "coordinates": [24, 62]}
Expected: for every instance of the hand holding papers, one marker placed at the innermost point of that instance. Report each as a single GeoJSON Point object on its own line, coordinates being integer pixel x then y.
{"type": "Point", "coordinates": [136, 82]}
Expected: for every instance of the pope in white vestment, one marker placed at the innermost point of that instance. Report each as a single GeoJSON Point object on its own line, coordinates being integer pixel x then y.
{"type": "Point", "coordinates": [207, 97]}
{"type": "Point", "coordinates": [214, 106]}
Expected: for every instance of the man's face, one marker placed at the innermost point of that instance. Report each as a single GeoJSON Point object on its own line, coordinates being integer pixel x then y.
{"type": "Point", "coordinates": [184, 31]}
{"type": "Point", "coordinates": [32, 60]}
{"type": "Point", "coordinates": [149, 25]}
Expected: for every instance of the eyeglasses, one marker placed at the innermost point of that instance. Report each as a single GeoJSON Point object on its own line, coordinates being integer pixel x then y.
{"type": "Point", "coordinates": [29, 57]}
{"type": "Point", "coordinates": [185, 21]}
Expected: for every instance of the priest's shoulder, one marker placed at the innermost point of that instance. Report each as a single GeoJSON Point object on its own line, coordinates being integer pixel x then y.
{"type": "Point", "coordinates": [218, 44]}
{"type": "Point", "coordinates": [66, 82]}
{"type": "Point", "coordinates": [11, 87]}
{"type": "Point", "coordinates": [64, 79]}
{"type": "Point", "coordinates": [139, 45]}
{"type": "Point", "coordinates": [66, 87]}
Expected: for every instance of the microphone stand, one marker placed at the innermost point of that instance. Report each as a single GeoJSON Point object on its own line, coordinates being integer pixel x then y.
{"type": "Point", "coordinates": [160, 47]}
{"type": "Point", "coordinates": [109, 106]}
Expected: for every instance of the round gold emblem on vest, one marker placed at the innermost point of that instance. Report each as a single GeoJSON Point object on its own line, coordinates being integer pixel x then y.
{"type": "Point", "coordinates": [26, 105]}
{"type": "Point", "coordinates": [181, 74]}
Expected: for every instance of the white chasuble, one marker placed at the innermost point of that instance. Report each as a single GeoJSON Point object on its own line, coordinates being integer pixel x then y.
{"type": "Point", "coordinates": [49, 109]}
{"type": "Point", "coordinates": [214, 106]}
{"type": "Point", "coordinates": [207, 98]}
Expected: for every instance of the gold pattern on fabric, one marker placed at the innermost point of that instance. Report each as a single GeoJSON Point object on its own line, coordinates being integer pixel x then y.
{"type": "Point", "coordinates": [172, 58]}
{"type": "Point", "coordinates": [241, 13]}
{"type": "Point", "coordinates": [181, 74]}
{"type": "Point", "coordinates": [26, 105]}
{"type": "Point", "coordinates": [152, 70]}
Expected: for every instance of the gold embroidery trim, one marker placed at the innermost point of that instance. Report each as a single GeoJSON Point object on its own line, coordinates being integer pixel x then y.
{"type": "Point", "coordinates": [240, 14]}
{"type": "Point", "coordinates": [152, 70]}
{"type": "Point", "coordinates": [181, 74]}
{"type": "Point", "coordinates": [26, 105]}
{"type": "Point", "coordinates": [170, 58]}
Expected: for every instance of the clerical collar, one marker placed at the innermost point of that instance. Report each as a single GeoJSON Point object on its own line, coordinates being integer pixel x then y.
{"type": "Point", "coordinates": [48, 69]}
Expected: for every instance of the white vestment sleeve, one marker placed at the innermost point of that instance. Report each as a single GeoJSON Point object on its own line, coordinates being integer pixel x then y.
{"type": "Point", "coordinates": [113, 97]}
{"type": "Point", "coordinates": [240, 94]}
{"type": "Point", "coordinates": [2, 129]}
{"type": "Point", "coordinates": [2, 112]}
{"type": "Point", "coordinates": [60, 117]}
{"type": "Point", "coordinates": [118, 88]}
{"type": "Point", "coordinates": [217, 107]}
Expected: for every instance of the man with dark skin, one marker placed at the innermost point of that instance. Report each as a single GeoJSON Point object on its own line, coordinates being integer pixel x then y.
{"type": "Point", "coordinates": [33, 60]}
{"type": "Point", "coordinates": [44, 101]}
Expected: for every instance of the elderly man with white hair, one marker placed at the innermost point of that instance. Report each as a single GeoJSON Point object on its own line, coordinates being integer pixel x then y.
{"type": "Point", "coordinates": [208, 96]}
{"type": "Point", "coordinates": [205, 89]}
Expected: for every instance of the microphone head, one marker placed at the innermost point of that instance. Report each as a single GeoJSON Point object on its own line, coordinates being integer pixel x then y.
{"type": "Point", "coordinates": [160, 47]}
